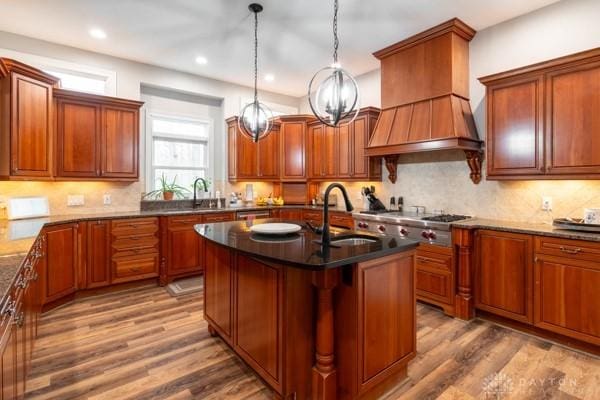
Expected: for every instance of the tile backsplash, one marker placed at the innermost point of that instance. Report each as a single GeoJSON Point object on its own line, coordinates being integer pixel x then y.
{"type": "Point", "coordinates": [124, 196]}
{"type": "Point", "coordinates": [441, 181]}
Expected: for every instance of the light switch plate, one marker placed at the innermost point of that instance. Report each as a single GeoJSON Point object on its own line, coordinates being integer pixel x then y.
{"type": "Point", "coordinates": [75, 200]}
{"type": "Point", "coordinates": [106, 199]}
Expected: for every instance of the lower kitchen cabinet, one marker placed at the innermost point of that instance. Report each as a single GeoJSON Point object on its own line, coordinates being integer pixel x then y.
{"type": "Point", "coordinates": [135, 249]}
{"type": "Point", "coordinates": [435, 276]}
{"type": "Point", "coordinates": [566, 288]}
{"type": "Point", "coordinates": [504, 274]}
{"type": "Point", "coordinates": [218, 290]}
{"type": "Point", "coordinates": [184, 246]}
{"type": "Point", "coordinates": [98, 254]}
{"type": "Point", "coordinates": [60, 276]}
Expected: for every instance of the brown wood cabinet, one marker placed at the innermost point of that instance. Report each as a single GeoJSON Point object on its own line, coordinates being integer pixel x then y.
{"type": "Point", "coordinates": [293, 147]}
{"type": "Point", "coordinates": [26, 118]}
{"type": "Point", "coordinates": [504, 274]}
{"type": "Point", "coordinates": [435, 276]}
{"type": "Point", "coordinates": [135, 249]}
{"type": "Point", "coordinates": [18, 326]}
{"type": "Point", "coordinates": [567, 278]}
{"type": "Point", "coordinates": [97, 136]}
{"type": "Point", "coordinates": [98, 254]}
{"type": "Point", "coordinates": [62, 251]}
{"type": "Point", "coordinates": [184, 247]}
{"type": "Point", "coordinates": [218, 290]}
{"type": "Point", "coordinates": [339, 153]}
{"type": "Point", "coordinates": [542, 120]}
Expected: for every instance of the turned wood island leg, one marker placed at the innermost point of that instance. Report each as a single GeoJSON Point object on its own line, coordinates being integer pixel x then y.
{"type": "Point", "coordinates": [463, 242]}
{"type": "Point", "coordinates": [324, 381]}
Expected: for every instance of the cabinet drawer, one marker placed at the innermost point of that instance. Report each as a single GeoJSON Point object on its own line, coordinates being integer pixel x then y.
{"type": "Point", "coordinates": [341, 221]}
{"type": "Point", "coordinates": [185, 220]}
{"type": "Point", "coordinates": [573, 249]}
{"type": "Point", "coordinates": [314, 217]}
{"type": "Point", "coordinates": [435, 284]}
{"type": "Point", "coordinates": [426, 259]}
{"type": "Point", "coordinates": [136, 267]}
{"type": "Point", "coordinates": [134, 242]}
{"type": "Point", "coordinates": [134, 252]}
{"type": "Point", "coordinates": [220, 217]}
{"type": "Point", "coordinates": [120, 227]}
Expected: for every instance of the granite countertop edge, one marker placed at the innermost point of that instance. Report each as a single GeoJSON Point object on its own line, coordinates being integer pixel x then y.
{"type": "Point", "coordinates": [540, 229]}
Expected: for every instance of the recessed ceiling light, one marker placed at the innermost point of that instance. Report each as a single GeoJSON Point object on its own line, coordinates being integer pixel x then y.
{"type": "Point", "coordinates": [269, 77]}
{"type": "Point", "coordinates": [201, 60]}
{"type": "Point", "coordinates": [97, 33]}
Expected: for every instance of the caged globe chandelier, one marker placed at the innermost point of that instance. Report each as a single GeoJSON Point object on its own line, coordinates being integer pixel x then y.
{"type": "Point", "coordinates": [255, 117]}
{"type": "Point", "coordinates": [336, 96]}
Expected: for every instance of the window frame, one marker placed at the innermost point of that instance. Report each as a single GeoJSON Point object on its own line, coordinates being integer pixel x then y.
{"type": "Point", "coordinates": [151, 168]}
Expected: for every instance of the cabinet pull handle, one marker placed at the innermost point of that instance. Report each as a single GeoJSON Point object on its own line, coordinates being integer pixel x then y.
{"type": "Point", "coordinates": [570, 251]}
{"type": "Point", "coordinates": [134, 270]}
{"type": "Point", "coordinates": [12, 307]}
{"type": "Point", "coordinates": [186, 221]}
{"type": "Point", "coordinates": [35, 276]}
{"type": "Point", "coordinates": [134, 237]}
{"type": "Point", "coordinates": [22, 282]}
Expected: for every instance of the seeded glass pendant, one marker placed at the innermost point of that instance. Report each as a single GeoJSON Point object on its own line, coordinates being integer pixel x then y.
{"type": "Point", "coordinates": [333, 92]}
{"type": "Point", "coordinates": [255, 117]}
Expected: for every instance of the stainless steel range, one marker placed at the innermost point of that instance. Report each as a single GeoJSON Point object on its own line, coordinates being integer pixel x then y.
{"type": "Point", "coordinates": [429, 228]}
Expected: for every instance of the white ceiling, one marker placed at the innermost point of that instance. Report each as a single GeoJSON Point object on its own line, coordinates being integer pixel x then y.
{"type": "Point", "coordinates": [295, 35]}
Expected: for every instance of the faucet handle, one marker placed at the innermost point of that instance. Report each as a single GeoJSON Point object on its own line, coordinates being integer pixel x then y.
{"type": "Point", "coordinates": [313, 228]}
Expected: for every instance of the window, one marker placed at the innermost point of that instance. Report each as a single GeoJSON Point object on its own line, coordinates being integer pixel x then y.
{"type": "Point", "coordinates": [180, 149]}
{"type": "Point", "coordinates": [80, 82]}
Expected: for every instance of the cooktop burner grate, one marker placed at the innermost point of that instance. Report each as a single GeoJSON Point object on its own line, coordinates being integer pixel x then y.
{"type": "Point", "coordinates": [445, 218]}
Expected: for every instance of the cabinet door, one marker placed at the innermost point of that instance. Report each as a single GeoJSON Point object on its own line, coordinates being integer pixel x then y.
{"type": "Point", "coordinates": [503, 274]}
{"type": "Point", "coordinates": [120, 141]}
{"type": "Point", "coordinates": [247, 157]}
{"type": "Point", "coordinates": [268, 156]}
{"type": "Point", "coordinates": [293, 150]}
{"type": "Point", "coordinates": [218, 289]}
{"type": "Point", "coordinates": [360, 136]}
{"type": "Point", "coordinates": [566, 297]}
{"type": "Point", "coordinates": [387, 322]}
{"type": "Point", "coordinates": [330, 152]}
{"type": "Point", "coordinates": [185, 246]}
{"type": "Point", "coordinates": [435, 276]}
{"type": "Point", "coordinates": [8, 358]}
{"type": "Point", "coordinates": [344, 154]}
{"type": "Point", "coordinates": [232, 153]}
{"type": "Point", "coordinates": [78, 139]}
{"type": "Point", "coordinates": [258, 309]}
{"type": "Point", "coordinates": [291, 215]}
{"type": "Point", "coordinates": [98, 254]}
{"type": "Point", "coordinates": [573, 120]}
{"type": "Point", "coordinates": [316, 135]}
{"type": "Point", "coordinates": [515, 128]}
{"type": "Point", "coordinates": [31, 127]}
{"type": "Point", "coordinates": [21, 347]}
{"type": "Point", "coordinates": [60, 276]}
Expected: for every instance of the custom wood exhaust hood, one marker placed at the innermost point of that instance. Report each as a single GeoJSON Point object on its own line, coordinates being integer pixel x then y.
{"type": "Point", "coordinates": [425, 97]}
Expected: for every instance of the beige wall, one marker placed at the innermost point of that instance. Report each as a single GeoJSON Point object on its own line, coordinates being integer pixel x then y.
{"type": "Point", "coordinates": [130, 77]}
{"type": "Point", "coordinates": [441, 180]}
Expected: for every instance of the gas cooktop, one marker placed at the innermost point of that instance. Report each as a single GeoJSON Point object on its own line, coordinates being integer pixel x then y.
{"type": "Point", "coordinates": [445, 218]}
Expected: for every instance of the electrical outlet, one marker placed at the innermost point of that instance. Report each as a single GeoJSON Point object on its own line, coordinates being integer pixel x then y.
{"type": "Point", "coordinates": [546, 203]}
{"type": "Point", "coordinates": [106, 199]}
{"type": "Point", "coordinates": [75, 200]}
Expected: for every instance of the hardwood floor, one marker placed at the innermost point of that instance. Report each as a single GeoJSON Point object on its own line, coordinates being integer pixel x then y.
{"type": "Point", "coordinates": [143, 344]}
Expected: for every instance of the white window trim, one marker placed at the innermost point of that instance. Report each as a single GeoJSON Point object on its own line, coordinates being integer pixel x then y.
{"type": "Point", "coordinates": [149, 172]}
{"type": "Point", "coordinates": [40, 62]}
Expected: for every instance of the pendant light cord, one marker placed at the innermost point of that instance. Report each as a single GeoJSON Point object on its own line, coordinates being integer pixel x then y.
{"type": "Point", "coordinates": [256, 56]}
{"type": "Point", "coordinates": [336, 41]}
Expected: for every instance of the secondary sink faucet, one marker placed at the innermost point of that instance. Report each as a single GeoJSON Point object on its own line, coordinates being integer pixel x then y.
{"type": "Point", "coordinates": [195, 189]}
{"type": "Point", "coordinates": [326, 236]}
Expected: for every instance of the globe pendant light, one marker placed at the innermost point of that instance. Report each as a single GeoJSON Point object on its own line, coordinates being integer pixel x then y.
{"type": "Point", "coordinates": [336, 96]}
{"type": "Point", "coordinates": [255, 117]}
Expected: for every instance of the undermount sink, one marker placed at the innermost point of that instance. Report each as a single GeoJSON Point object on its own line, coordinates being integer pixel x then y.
{"type": "Point", "coordinates": [353, 240]}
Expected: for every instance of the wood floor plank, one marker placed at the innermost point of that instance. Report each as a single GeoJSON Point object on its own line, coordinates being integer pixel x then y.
{"type": "Point", "coordinates": [143, 344]}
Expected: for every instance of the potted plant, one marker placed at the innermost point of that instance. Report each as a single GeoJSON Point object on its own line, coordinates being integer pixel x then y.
{"type": "Point", "coordinates": [169, 190]}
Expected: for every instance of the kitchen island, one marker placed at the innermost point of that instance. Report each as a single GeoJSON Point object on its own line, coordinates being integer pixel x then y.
{"type": "Point", "coordinates": [335, 322]}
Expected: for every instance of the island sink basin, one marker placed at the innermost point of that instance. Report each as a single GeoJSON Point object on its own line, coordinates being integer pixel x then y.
{"type": "Point", "coordinates": [354, 240]}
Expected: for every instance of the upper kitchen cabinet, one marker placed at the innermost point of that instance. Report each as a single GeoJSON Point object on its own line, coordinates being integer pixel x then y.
{"type": "Point", "coordinates": [294, 164]}
{"type": "Point", "coordinates": [248, 160]}
{"type": "Point", "coordinates": [339, 153]}
{"type": "Point", "coordinates": [26, 134]}
{"type": "Point", "coordinates": [543, 120]}
{"type": "Point", "coordinates": [97, 137]}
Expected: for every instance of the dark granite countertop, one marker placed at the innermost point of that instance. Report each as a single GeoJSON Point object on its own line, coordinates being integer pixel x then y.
{"type": "Point", "coordinates": [526, 227]}
{"type": "Point", "coordinates": [9, 267]}
{"type": "Point", "coordinates": [299, 250]}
